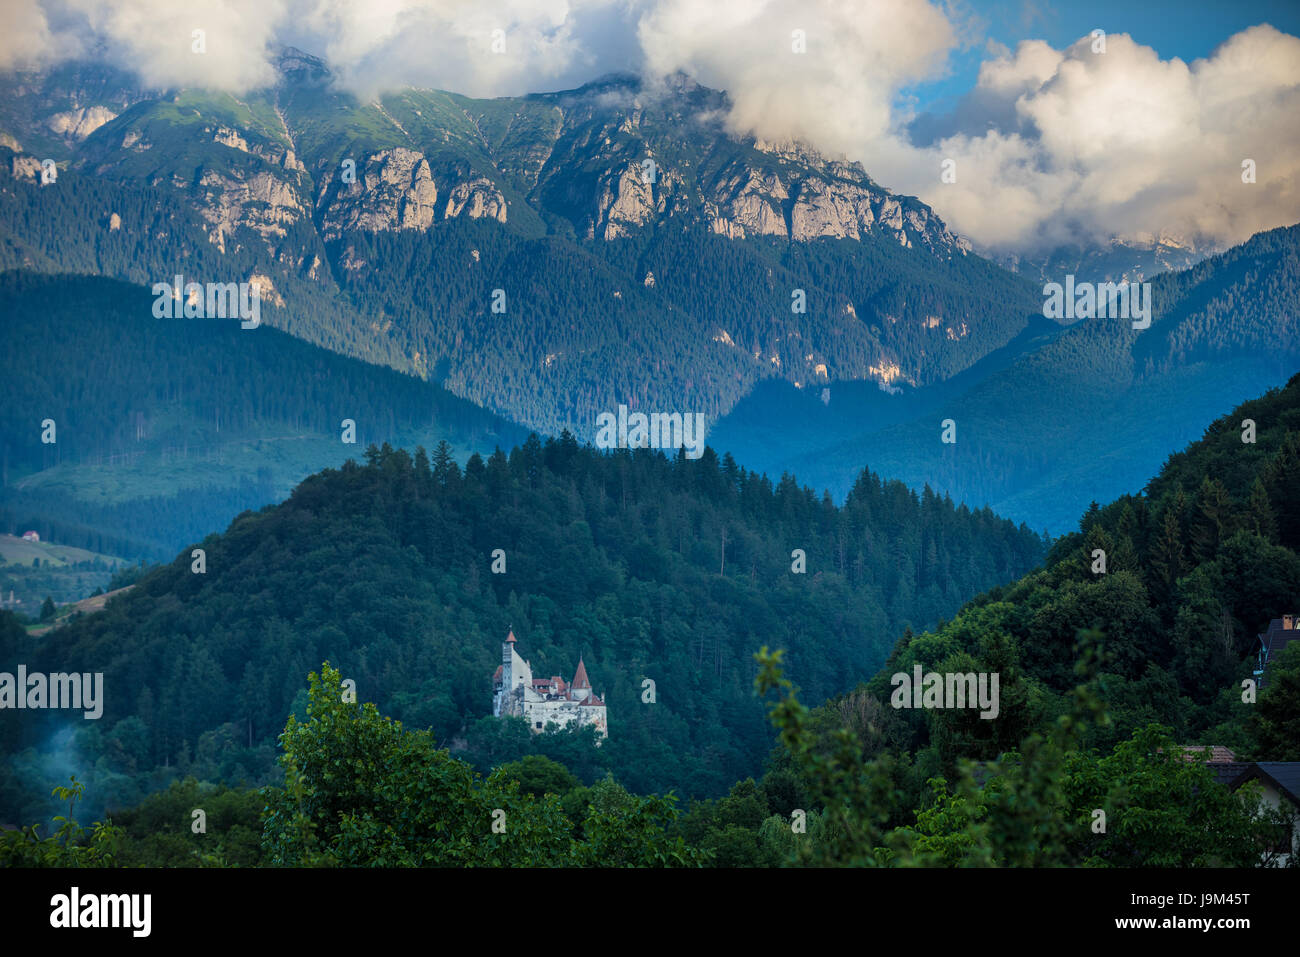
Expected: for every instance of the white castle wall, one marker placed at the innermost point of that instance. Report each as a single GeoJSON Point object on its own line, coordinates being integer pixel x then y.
{"type": "Point", "coordinates": [516, 697]}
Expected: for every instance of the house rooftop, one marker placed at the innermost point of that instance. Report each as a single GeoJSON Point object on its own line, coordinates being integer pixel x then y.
{"type": "Point", "coordinates": [1218, 753]}
{"type": "Point", "coordinates": [1280, 633]}
{"type": "Point", "coordinates": [1283, 775]}
{"type": "Point", "coordinates": [1227, 773]}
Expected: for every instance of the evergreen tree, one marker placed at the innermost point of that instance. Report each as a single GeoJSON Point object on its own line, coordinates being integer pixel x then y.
{"type": "Point", "coordinates": [1275, 723]}
{"type": "Point", "coordinates": [1282, 480]}
{"type": "Point", "coordinates": [1211, 520]}
{"type": "Point", "coordinates": [1167, 555]}
{"type": "Point", "coordinates": [422, 470]}
{"type": "Point", "coordinates": [1259, 514]}
{"type": "Point", "coordinates": [444, 465]}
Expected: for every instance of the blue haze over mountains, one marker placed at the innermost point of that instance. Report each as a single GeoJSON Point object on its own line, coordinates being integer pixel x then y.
{"type": "Point", "coordinates": [672, 295]}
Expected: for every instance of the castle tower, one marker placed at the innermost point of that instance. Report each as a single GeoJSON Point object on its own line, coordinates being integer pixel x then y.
{"type": "Point", "coordinates": [513, 675]}
{"type": "Point", "coordinates": [581, 686]}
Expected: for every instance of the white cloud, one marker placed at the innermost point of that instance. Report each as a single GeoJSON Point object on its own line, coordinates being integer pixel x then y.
{"type": "Point", "coordinates": [1050, 146]}
{"type": "Point", "coordinates": [26, 42]}
{"type": "Point", "coordinates": [837, 94]}
{"type": "Point", "coordinates": [449, 44]}
{"type": "Point", "coordinates": [155, 38]}
{"type": "Point", "coordinates": [1126, 144]}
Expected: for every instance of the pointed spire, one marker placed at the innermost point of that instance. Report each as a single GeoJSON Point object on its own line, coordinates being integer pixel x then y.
{"type": "Point", "coordinates": [510, 638]}
{"type": "Point", "coordinates": [580, 678]}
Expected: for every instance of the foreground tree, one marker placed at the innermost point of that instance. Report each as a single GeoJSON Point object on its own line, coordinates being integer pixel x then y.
{"type": "Point", "coordinates": [1275, 724]}
{"type": "Point", "coordinates": [70, 846]}
{"type": "Point", "coordinates": [361, 791]}
{"type": "Point", "coordinates": [1037, 804]}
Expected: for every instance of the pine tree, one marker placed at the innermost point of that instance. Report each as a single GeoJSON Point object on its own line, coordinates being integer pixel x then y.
{"type": "Point", "coordinates": [1123, 557]}
{"type": "Point", "coordinates": [730, 472]}
{"type": "Point", "coordinates": [1282, 481]}
{"type": "Point", "coordinates": [1259, 513]}
{"type": "Point", "coordinates": [498, 472]}
{"type": "Point", "coordinates": [1167, 555]}
{"type": "Point", "coordinates": [422, 465]}
{"type": "Point", "coordinates": [443, 464]}
{"type": "Point", "coordinates": [475, 469]}
{"type": "Point", "coordinates": [1211, 519]}
{"type": "Point", "coordinates": [1097, 538]}
{"type": "Point", "coordinates": [1090, 517]}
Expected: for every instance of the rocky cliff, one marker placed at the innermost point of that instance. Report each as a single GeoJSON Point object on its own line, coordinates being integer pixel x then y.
{"type": "Point", "coordinates": [612, 159]}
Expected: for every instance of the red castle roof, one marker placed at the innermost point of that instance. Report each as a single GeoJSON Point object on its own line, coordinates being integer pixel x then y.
{"type": "Point", "coordinates": [580, 679]}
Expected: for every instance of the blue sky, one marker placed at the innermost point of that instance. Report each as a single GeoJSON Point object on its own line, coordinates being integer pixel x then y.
{"type": "Point", "coordinates": [1187, 29]}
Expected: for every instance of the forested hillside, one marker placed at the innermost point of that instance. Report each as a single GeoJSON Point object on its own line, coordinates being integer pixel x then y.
{"type": "Point", "coordinates": [734, 262]}
{"type": "Point", "coordinates": [1106, 671]}
{"type": "Point", "coordinates": [168, 428]}
{"type": "Point", "coordinates": [1196, 566]}
{"type": "Point", "coordinates": [673, 319]}
{"type": "Point", "coordinates": [1086, 413]}
{"type": "Point", "coordinates": [1102, 675]}
{"type": "Point", "coordinates": [673, 570]}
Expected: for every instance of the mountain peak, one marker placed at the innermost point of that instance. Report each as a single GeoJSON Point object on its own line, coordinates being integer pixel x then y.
{"type": "Point", "coordinates": [298, 66]}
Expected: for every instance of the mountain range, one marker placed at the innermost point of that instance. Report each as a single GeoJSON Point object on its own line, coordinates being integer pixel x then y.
{"type": "Point", "coordinates": [645, 254]}
{"type": "Point", "coordinates": [1060, 416]}
{"type": "Point", "coordinates": [551, 257]}
{"type": "Point", "coordinates": [905, 469]}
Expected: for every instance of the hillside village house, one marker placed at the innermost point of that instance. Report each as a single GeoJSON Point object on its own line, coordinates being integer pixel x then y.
{"type": "Point", "coordinates": [1279, 783]}
{"type": "Point", "coordinates": [1281, 632]}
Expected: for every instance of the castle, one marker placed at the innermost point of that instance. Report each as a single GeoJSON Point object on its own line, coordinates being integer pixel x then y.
{"type": "Point", "coordinates": [543, 701]}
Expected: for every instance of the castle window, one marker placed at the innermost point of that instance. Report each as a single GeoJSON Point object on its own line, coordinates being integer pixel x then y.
{"type": "Point", "coordinates": [539, 724]}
